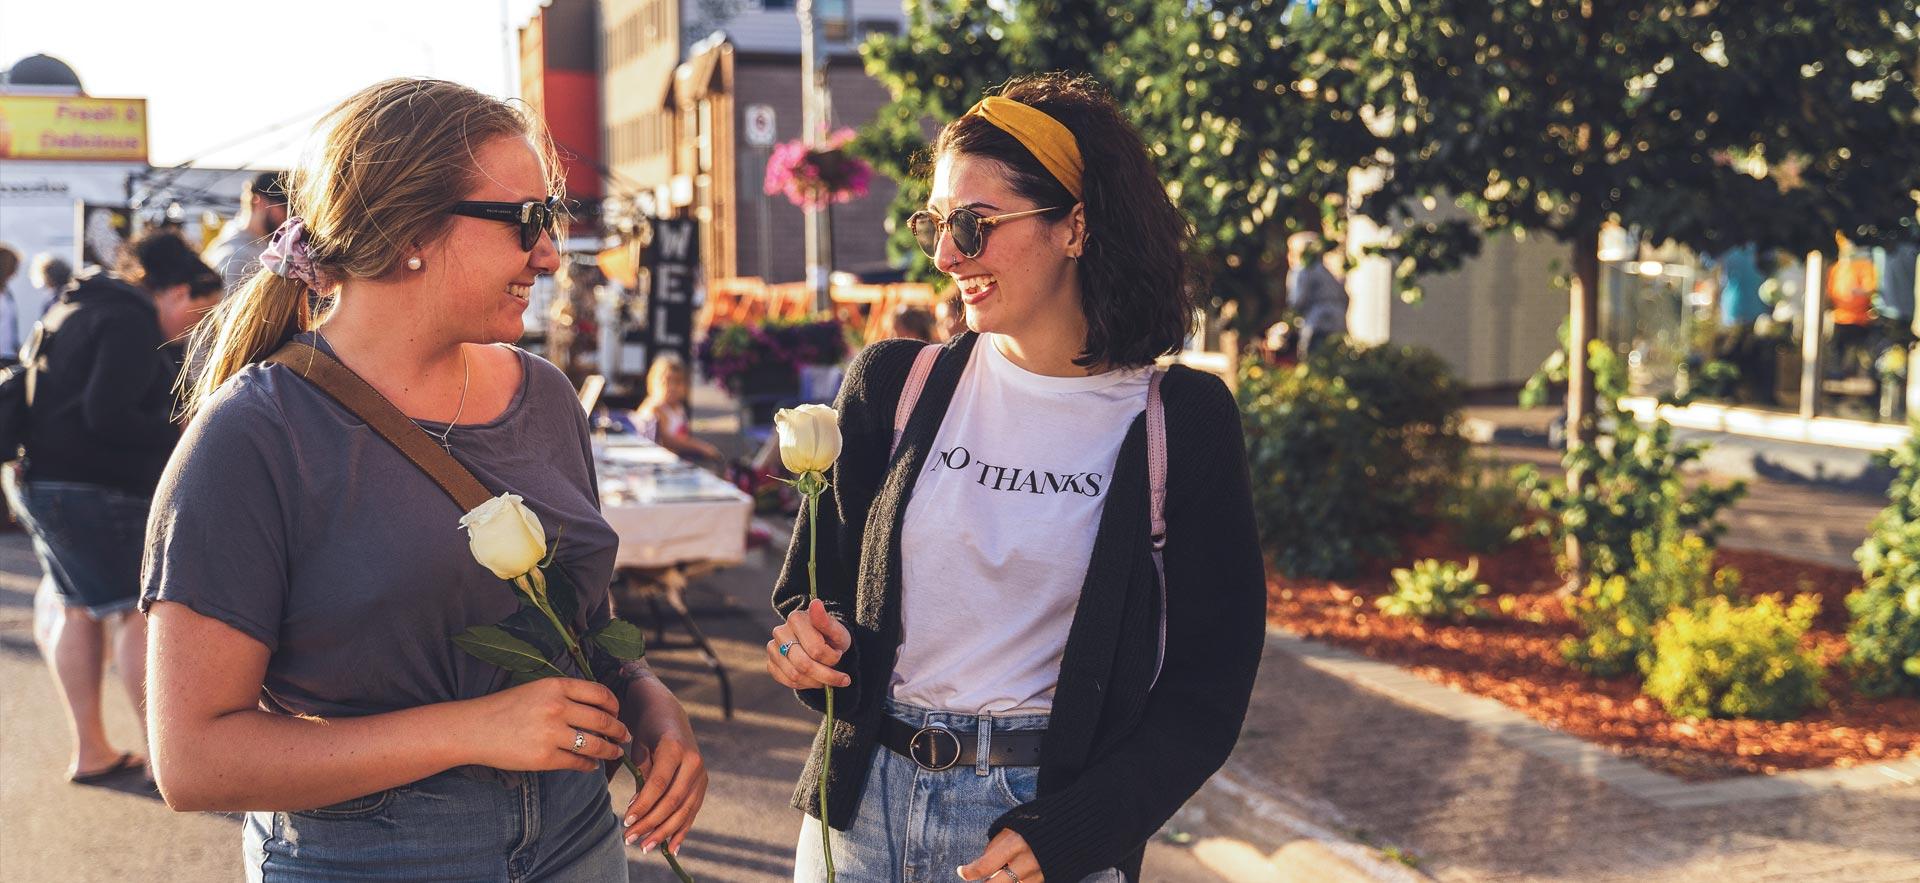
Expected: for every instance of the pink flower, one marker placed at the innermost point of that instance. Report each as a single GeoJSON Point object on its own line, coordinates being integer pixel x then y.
{"type": "Point", "coordinates": [816, 177]}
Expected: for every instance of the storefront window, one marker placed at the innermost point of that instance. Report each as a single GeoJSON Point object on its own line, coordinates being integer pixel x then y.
{"type": "Point", "coordinates": [1730, 328]}
{"type": "Point", "coordinates": [1868, 334]}
{"type": "Point", "coordinates": [1723, 328]}
{"type": "Point", "coordinates": [1651, 323]}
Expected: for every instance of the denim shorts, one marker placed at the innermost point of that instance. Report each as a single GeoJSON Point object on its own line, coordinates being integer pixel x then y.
{"type": "Point", "coordinates": [468, 824]}
{"type": "Point", "coordinates": [916, 825]}
{"type": "Point", "coordinates": [88, 538]}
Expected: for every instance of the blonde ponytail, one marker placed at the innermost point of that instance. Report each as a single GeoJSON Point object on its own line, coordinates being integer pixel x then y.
{"type": "Point", "coordinates": [246, 327]}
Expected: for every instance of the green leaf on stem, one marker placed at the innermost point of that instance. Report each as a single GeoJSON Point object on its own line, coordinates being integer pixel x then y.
{"type": "Point", "coordinates": [622, 639]}
{"type": "Point", "coordinates": [492, 645]}
{"type": "Point", "coordinates": [530, 625]}
{"type": "Point", "coordinates": [562, 595]}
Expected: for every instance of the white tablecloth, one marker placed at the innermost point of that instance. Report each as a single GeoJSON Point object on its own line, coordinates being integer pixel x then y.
{"type": "Point", "coordinates": [667, 511]}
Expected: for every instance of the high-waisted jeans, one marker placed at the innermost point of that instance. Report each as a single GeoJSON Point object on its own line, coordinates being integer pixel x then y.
{"type": "Point", "coordinates": [467, 824]}
{"type": "Point", "coordinates": [918, 826]}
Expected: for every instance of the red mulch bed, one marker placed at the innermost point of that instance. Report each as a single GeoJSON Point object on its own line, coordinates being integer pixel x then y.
{"type": "Point", "coordinates": [1514, 657]}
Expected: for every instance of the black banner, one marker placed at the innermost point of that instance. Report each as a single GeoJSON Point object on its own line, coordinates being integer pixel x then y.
{"type": "Point", "coordinates": [673, 262]}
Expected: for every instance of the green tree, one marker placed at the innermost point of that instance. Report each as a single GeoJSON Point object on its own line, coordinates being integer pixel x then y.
{"type": "Point", "coordinates": [948, 56]}
{"type": "Point", "coordinates": [1247, 152]}
{"type": "Point", "coordinates": [1706, 122]}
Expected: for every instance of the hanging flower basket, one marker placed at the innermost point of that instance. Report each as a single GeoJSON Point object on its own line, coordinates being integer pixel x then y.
{"type": "Point", "coordinates": [818, 176]}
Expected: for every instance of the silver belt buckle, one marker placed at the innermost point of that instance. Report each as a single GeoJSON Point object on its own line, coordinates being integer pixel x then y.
{"type": "Point", "coordinates": [926, 748]}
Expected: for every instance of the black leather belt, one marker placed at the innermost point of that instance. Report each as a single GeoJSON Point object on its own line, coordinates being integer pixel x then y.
{"type": "Point", "coordinates": [937, 748]}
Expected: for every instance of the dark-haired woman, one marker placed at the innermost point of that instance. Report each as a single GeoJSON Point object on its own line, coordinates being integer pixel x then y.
{"type": "Point", "coordinates": [1021, 695]}
{"type": "Point", "coordinates": [101, 432]}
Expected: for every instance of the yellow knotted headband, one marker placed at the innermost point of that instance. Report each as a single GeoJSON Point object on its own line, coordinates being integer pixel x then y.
{"type": "Point", "coordinates": [1042, 135]}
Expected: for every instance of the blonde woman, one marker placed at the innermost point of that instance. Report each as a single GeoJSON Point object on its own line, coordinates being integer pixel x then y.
{"type": "Point", "coordinates": [303, 579]}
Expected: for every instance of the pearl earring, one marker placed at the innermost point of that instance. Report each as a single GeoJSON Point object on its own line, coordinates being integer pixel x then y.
{"type": "Point", "coordinates": [413, 263]}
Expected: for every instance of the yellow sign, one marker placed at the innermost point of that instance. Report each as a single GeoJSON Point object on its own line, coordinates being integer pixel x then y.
{"type": "Point", "coordinates": [72, 127]}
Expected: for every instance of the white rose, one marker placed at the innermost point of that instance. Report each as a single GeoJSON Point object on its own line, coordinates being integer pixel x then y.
{"type": "Point", "coordinates": [505, 536]}
{"type": "Point", "coordinates": [809, 438]}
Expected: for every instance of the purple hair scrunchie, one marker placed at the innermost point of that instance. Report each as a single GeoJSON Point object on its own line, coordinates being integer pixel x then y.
{"type": "Point", "coordinates": [289, 256]}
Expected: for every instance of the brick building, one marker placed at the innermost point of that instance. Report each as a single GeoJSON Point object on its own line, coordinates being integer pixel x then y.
{"type": "Point", "coordinates": [677, 78]}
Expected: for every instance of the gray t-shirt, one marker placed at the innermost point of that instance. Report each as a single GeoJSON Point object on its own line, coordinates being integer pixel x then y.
{"type": "Point", "coordinates": [286, 517]}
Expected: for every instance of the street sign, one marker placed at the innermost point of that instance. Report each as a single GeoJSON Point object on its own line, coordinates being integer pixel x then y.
{"type": "Point", "coordinates": [759, 125]}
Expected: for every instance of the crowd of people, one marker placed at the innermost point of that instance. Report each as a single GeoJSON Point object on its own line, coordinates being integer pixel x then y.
{"type": "Point", "coordinates": [1031, 681]}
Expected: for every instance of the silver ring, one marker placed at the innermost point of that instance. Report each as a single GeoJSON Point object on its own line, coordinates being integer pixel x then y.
{"type": "Point", "coordinates": [579, 741]}
{"type": "Point", "coordinates": [1008, 870]}
{"type": "Point", "coordinates": [785, 647]}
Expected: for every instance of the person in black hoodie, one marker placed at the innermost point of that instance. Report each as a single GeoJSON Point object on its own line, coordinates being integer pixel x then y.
{"type": "Point", "coordinates": [1021, 695]}
{"type": "Point", "coordinates": [99, 431]}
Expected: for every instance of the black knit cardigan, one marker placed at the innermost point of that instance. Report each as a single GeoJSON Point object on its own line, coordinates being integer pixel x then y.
{"type": "Point", "coordinates": [1118, 758]}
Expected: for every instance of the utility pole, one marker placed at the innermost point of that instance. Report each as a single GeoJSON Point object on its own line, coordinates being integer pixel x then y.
{"type": "Point", "coordinates": [814, 113]}
{"type": "Point", "coordinates": [508, 51]}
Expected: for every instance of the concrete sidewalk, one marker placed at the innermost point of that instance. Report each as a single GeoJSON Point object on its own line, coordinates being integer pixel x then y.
{"type": "Point", "coordinates": [1782, 513]}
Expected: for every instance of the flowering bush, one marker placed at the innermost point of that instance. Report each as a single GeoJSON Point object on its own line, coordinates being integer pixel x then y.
{"type": "Point", "coordinates": [1884, 635]}
{"type": "Point", "coordinates": [818, 176]}
{"type": "Point", "coordinates": [734, 350]}
{"type": "Point", "coordinates": [1723, 659]}
{"type": "Point", "coordinates": [1669, 569]}
{"type": "Point", "coordinates": [1434, 589]}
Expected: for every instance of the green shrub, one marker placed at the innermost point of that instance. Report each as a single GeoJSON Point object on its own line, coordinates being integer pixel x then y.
{"type": "Point", "coordinates": [1484, 508]}
{"type": "Point", "coordinates": [1347, 452]}
{"type": "Point", "coordinates": [1634, 477]}
{"type": "Point", "coordinates": [1670, 569]}
{"type": "Point", "coordinates": [1724, 659]}
{"type": "Point", "coordinates": [1883, 635]}
{"type": "Point", "coordinates": [1435, 590]}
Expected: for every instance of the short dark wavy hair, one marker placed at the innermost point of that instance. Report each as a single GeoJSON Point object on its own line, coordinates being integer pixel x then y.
{"type": "Point", "coordinates": [160, 259]}
{"type": "Point", "coordinates": [1134, 276]}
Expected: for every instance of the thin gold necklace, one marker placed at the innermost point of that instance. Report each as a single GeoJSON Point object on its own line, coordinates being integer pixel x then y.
{"type": "Point", "coordinates": [461, 408]}
{"type": "Point", "coordinates": [466, 377]}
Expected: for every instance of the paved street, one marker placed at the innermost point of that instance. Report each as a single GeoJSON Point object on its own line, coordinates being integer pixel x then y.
{"type": "Point", "coordinates": [50, 830]}
{"type": "Point", "coordinates": [1332, 780]}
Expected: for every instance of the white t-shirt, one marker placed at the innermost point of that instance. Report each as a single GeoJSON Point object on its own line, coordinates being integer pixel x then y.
{"type": "Point", "coordinates": [1000, 529]}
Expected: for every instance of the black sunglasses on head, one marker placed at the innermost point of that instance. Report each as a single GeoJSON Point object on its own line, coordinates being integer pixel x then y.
{"type": "Point", "coordinates": [968, 228]}
{"type": "Point", "coordinates": [534, 216]}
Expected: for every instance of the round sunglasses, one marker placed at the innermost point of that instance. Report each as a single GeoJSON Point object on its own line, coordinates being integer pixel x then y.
{"type": "Point", "coordinates": [968, 228]}
{"type": "Point", "coordinates": [534, 217]}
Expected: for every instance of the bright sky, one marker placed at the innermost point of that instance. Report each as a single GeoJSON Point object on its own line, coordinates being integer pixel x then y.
{"type": "Point", "coordinates": [258, 72]}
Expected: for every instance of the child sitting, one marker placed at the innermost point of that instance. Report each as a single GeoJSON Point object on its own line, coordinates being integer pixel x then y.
{"type": "Point", "coordinates": [662, 417]}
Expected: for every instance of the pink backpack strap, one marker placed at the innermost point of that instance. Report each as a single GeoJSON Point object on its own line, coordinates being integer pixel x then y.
{"type": "Point", "coordinates": [910, 394]}
{"type": "Point", "coordinates": [1157, 458]}
{"type": "Point", "coordinates": [1157, 501]}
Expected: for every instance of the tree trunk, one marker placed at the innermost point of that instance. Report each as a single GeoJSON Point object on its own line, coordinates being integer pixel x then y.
{"type": "Point", "coordinates": [1584, 312]}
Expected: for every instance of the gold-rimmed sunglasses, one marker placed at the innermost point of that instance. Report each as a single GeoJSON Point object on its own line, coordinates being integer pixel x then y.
{"type": "Point", "coordinates": [968, 228]}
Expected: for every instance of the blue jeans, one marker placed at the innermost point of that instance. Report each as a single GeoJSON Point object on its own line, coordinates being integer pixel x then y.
{"type": "Point", "coordinates": [918, 826]}
{"type": "Point", "coordinates": [88, 538]}
{"type": "Point", "coordinates": [467, 824]}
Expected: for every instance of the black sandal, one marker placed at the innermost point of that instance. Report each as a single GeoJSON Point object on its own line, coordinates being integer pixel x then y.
{"type": "Point", "coordinates": [125, 763]}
